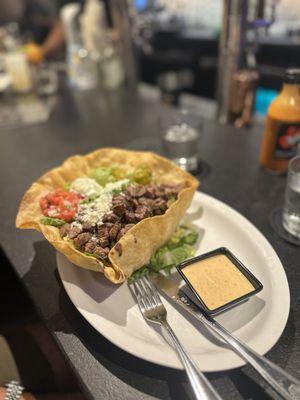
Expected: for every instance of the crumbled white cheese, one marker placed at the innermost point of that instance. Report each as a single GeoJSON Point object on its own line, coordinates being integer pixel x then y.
{"type": "Point", "coordinates": [52, 213]}
{"type": "Point", "coordinates": [86, 186]}
{"type": "Point", "coordinates": [94, 211]}
{"type": "Point", "coordinates": [76, 224]}
{"type": "Point", "coordinates": [110, 187]}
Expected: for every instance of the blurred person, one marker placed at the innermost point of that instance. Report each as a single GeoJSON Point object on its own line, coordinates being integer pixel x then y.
{"type": "Point", "coordinates": [29, 355]}
{"type": "Point", "coordinates": [37, 20]}
{"type": "Point", "coordinates": [41, 19]}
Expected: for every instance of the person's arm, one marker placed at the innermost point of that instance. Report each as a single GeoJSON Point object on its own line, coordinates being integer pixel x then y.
{"type": "Point", "coordinates": [54, 396]}
{"type": "Point", "coordinates": [25, 396]}
{"type": "Point", "coordinates": [55, 39]}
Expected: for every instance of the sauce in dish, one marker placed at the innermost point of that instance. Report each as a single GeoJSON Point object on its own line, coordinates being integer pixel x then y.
{"type": "Point", "coordinates": [217, 280]}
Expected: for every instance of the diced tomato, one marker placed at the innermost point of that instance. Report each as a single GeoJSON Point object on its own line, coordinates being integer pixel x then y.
{"type": "Point", "coordinates": [67, 215]}
{"type": "Point", "coordinates": [60, 204]}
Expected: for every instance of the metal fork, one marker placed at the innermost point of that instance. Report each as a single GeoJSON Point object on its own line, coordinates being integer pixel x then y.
{"type": "Point", "coordinates": [153, 310]}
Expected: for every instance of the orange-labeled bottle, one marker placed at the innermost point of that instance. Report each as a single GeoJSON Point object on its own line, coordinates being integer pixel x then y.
{"type": "Point", "coordinates": [282, 126]}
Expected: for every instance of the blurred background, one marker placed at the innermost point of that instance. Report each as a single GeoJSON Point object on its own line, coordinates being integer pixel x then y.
{"type": "Point", "coordinates": [191, 46]}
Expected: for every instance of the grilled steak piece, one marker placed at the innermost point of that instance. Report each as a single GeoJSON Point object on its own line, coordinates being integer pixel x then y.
{"type": "Point", "coordinates": [103, 230]}
{"type": "Point", "coordinates": [144, 201]}
{"type": "Point", "coordinates": [101, 252]}
{"type": "Point", "coordinates": [74, 232]}
{"type": "Point", "coordinates": [159, 206]}
{"type": "Point", "coordinates": [90, 246]}
{"type": "Point", "coordinates": [87, 227]}
{"type": "Point", "coordinates": [81, 240]}
{"type": "Point", "coordinates": [124, 230]}
{"type": "Point", "coordinates": [150, 192]}
{"type": "Point", "coordinates": [113, 233]}
{"type": "Point", "coordinates": [142, 212]}
{"type": "Point", "coordinates": [118, 199]}
{"type": "Point", "coordinates": [119, 209]}
{"type": "Point", "coordinates": [104, 241]}
{"type": "Point", "coordinates": [64, 230]}
{"type": "Point", "coordinates": [130, 217]}
{"type": "Point", "coordinates": [136, 190]}
{"type": "Point", "coordinates": [110, 217]}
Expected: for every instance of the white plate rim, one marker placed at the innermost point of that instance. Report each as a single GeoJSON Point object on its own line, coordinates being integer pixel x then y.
{"type": "Point", "coordinates": [271, 254]}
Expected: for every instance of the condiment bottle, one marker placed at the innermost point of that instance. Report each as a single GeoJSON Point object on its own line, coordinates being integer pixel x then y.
{"type": "Point", "coordinates": [282, 127]}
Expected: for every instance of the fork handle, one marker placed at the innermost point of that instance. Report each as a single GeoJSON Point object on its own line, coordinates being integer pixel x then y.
{"type": "Point", "coordinates": [202, 388]}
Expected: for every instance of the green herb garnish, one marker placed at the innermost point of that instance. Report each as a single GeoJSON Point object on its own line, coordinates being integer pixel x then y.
{"type": "Point", "coordinates": [53, 221]}
{"type": "Point", "coordinates": [93, 255]}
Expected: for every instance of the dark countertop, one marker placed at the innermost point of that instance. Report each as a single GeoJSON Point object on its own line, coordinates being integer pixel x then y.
{"type": "Point", "coordinates": [79, 123]}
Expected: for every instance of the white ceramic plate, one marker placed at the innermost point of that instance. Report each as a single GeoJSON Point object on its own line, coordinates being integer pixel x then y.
{"type": "Point", "coordinates": [259, 322]}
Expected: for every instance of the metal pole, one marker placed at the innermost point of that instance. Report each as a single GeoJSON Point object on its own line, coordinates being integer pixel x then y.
{"type": "Point", "coordinates": [231, 52]}
{"type": "Point", "coordinates": [120, 11]}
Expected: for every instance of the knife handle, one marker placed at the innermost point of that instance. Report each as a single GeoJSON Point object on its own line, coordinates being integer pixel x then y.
{"type": "Point", "coordinates": [284, 384]}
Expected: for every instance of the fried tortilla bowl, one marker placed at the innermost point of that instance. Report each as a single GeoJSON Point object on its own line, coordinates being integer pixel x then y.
{"type": "Point", "coordinates": [141, 241]}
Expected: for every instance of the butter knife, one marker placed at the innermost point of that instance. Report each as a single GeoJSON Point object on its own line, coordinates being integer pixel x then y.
{"type": "Point", "coordinates": [282, 382]}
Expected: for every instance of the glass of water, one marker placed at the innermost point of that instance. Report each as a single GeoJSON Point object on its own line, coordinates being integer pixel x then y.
{"type": "Point", "coordinates": [291, 209]}
{"type": "Point", "coordinates": [180, 136]}
{"type": "Point", "coordinates": [47, 80]}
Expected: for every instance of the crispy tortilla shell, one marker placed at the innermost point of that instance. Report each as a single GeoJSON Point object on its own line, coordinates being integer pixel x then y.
{"type": "Point", "coordinates": [140, 242]}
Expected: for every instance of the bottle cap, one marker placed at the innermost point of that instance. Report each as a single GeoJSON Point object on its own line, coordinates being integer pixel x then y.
{"type": "Point", "coordinates": [292, 75]}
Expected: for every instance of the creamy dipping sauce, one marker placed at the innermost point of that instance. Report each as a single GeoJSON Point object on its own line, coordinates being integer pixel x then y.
{"type": "Point", "coordinates": [217, 280]}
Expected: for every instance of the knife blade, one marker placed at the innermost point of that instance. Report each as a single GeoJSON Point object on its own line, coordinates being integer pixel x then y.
{"type": "Point", "coordinates": [282, 382]}
{"type": "Point", "coordinates": [173, 292]}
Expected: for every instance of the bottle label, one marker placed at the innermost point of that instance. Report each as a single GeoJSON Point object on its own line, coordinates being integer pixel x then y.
{"type": "Point", "coordinates": [287, 137]}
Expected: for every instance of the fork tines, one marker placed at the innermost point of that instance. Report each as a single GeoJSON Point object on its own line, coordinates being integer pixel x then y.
{"type": "Point", "coordinates": [146, 293]}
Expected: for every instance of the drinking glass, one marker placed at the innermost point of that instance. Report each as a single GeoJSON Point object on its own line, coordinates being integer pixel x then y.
{"type": "Point", "coordinates": [291, 209]}
{"type": "Point", "coordinates": [19, 71]}
{"type": "Point", "coordinates": [180, 136]}
{"type": "Point", "coordinates": [47, 80]}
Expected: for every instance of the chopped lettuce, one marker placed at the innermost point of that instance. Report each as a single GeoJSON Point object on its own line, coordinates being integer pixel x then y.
{"type": "Point", "coordinates": [183, 235]}
{"type": "Point", "coordinates": [93, 255]}
{"type": "Point", "coordinates": [138, 274]}
{"type": "Point", "coordinates": [167, 258]}
{"type": "Point", "coordinates": [53, 221]}
{"type": "Point", "coordinates": [67, 186]}
{"type": "Point", "coordinates": [118, 190]}
{"type": "Point", "coordinates": [104, 175]}
{"type": "Point", "coordinates": [179, 248]}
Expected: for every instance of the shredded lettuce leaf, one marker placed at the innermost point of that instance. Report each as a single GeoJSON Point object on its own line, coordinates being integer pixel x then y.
{"type": "Point", "coordinates": [93, 255]}
{"type": "Point", "coordinates": [167, 258]}
{"type": "Point", "coordinates": [103, 176]}
{"type": "Point", "coordinates": [138, 274]}
{"type": "Point", "coordinates": [67, 186]}
{"type": "Point", "coordinates": [179, 248]}
{"type": "Point", "coordinates": [53, 221]}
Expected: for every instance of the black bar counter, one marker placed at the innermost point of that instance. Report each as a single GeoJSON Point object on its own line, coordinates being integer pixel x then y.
{"type": "Point", "coordinates": [81, 122]}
